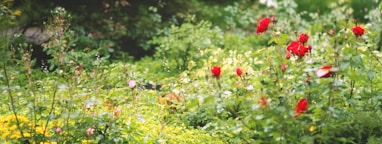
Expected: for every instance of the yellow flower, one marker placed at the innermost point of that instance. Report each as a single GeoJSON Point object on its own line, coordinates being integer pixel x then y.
{"type": "Point", "coordinates": [87, 141]}
{"type": "Point", "coordinates": [312, 128]}
{"type": "Point", "coordinates": [17, 12]}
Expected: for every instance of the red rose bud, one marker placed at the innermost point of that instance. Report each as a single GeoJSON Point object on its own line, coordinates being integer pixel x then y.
{"type": "Point", "coordinates": [301, 107]}
{"type": "Point", "coordinates": [287, 55]}
{"type": "Point", "coordinates": [239, 72]}
{"type": "Point", "coordinates": [309, 47]}
{"type": "Point", "coordinates": [216, 70]}
{"type": "Point", "coordinates": [308, 79]}
{"type": "Point", "coordinates": [263, 25]}
{"type": "Point", "coordinates": [303, 38]}
{"type": "Point", "coordinates": [324, 72]}
{"type": "Point", "coordinates": [358, 31]}
{"type": "Point", "coordinates": [264, 101]}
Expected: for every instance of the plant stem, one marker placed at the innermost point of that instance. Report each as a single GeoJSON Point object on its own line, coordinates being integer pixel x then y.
{"type": "Point", "coordinates": [374, 56]}
{"type": "Point", "coordinates": [12, 99]}
{"type": "Point", "coordinates": [51, 109]}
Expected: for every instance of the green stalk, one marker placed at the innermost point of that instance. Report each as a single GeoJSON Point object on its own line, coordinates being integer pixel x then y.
{"type": "Point", "coordinates": [12, 99]}
{"type": "Point", "coordinates": [51, 110]}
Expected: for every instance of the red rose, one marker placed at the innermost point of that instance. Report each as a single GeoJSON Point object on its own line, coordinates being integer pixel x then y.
{"type": "Point", "coordinates": [216, 70]}
{"type": "Point", "coordinates": [293, 45]}
{"type": "Point", "coordinates": [324, 72]}
{"type": "Point", "coordinates": [263, 25]}
{"type": "Point", "coordinates": [358, 31]}
{"type": "Point", "coordinates": [239, 72]}
{"type": "Point", "coordinates": [303, 38]}
{"type": "Point", "coordinates": [298, 49]}
{"type": "Point", "coordinates": [301, 107]}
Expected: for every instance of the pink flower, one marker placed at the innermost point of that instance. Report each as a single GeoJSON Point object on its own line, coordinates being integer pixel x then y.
{"type": "Point", "coordinates": [216, 71]}
{"type": "Point", "coordinates": [90, 131]}
{"type": "Point", "coordinates": [283, 66]}
{"type": "Point", "coordinates": [88, 106]}
{"type": "Point", "coordinates": [358, 31]}
{"type": "Point", "coordinates": [301, 107]}
{"type": "Point", "coordinates": [331, 32]}
{"type": "Point", "coordinates": [303, 38]}
{"type": "Point", "coordinates": [117, 112]}
{"type": "Point", "coordinates": [287, 55]}
{"type": "Point", "coordinates": [324, 72]}
{"type": "Point", "coordinates": [273, 19]}
{"type": "Point", "coordinates": [263, 25]}
{"type": "Point", "coordinates": [58, 130]}
{"type": "Point", "coordinates": [239, 72]}
{"type": "Point", "coordinates": [132, 83]}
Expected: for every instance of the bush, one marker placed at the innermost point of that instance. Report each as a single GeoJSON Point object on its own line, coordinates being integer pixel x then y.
{"type": "Point", "coordinates": [298, 81]}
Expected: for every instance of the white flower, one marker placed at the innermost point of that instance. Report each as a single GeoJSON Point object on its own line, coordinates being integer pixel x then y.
{"type": "Point", "coordinates": [250, 87]}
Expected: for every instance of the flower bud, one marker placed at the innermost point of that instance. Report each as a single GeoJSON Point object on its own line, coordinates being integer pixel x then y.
{"type": "Point", "coordinates": [273, 19]}
{"type": "Point", "coordinates": [287, 55]}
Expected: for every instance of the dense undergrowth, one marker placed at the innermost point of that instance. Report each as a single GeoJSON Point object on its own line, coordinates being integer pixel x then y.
{"type": "Point", "coordinates": [286, 80]}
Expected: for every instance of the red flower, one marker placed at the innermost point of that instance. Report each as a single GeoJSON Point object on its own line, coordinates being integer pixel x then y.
{"type": "Point", "coordinates": [358, 31]}
{"type": "Point", "coordinates": [239, 72]}
{"type": "Point", "coordinates": [263, 25]}
{"type": "Point", "coordinates": [283, 66]}
{"type": "Point", "coordinates": [293, 45]}
{"type": "Point", "coordinates": [303, 38]}
{"type": "Point", "coordinates": [298, 49]}
{"type": "Point", "coordinates": [324, 72]}
{"type": "Point", "coordinates": [308, 79]}
{"type": "Point", "coordinates": [301, 107]}
{"type": "Point", "coordinates": [264, 101]}
{"type": "Point", "coordinates": [216, 70]}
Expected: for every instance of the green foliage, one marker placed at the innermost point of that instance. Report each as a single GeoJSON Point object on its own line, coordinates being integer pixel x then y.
{"type": "Point", "coordinates": [93, 100]}
{"type": "Point", "coordinates": [67, 47]}
{"type": "Point", "coordinates": [182, 44]}
{"type": "Point", "coordinates": [359, 127]}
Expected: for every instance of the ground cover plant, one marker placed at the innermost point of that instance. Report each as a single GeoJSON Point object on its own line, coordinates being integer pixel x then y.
{"type": "Point", "coordinates": [274, 77]}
